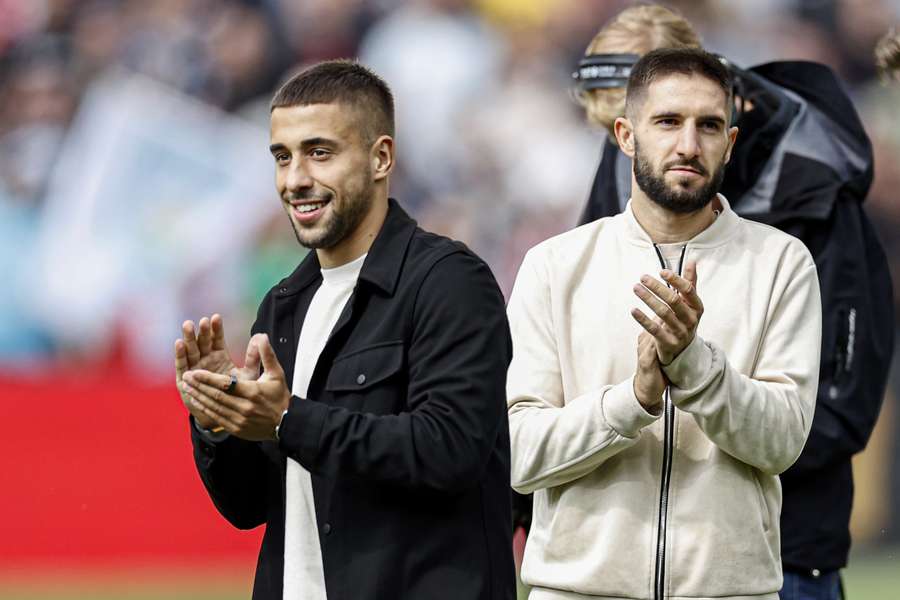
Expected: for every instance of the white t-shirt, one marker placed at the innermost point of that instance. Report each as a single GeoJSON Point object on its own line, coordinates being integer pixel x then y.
{"type": "Point", "coordinates": [304, 577]}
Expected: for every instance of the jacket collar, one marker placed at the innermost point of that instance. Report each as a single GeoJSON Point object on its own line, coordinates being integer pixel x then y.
{"type": "Point", "coordinates": [383, 262]}
{"type": "Point", "coordinates": [716, 234]}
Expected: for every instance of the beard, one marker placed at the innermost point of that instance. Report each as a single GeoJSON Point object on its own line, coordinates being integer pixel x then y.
{"type": "Point", "coordinates": [341, 220]}
{"type": "Point", "coordinates": [676, 199]}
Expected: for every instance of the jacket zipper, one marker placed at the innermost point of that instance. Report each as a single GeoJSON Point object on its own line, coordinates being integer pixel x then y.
{"type": "Point", "coordinates": [668, 449]}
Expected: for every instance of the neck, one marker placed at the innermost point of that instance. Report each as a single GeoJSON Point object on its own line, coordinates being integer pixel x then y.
{"type": "Point", "coordinates": [667, 227]}
{"type": "Point", "coordinates": [357, 241]}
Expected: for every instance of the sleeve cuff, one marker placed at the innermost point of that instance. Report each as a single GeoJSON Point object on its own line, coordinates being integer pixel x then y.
{"type": "Point", "coordinates": [301, 430]}
{"type": "Point", "coordinates": [689, 368]}
{"type": "Point", "coordinates": [623, 412]}
{"type": "Point", "coordinates": [209, 436]}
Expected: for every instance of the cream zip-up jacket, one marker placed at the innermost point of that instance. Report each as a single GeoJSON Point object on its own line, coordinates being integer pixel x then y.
{"type": "Point", "coordinates": [615, 513]}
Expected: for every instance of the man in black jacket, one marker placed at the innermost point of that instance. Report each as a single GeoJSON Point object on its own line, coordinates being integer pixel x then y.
{"type": "Point", "coordinates": [374, 444]}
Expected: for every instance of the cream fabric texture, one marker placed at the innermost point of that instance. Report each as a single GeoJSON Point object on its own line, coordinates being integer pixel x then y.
{"type": "Point", "coordinates": [744, 392]}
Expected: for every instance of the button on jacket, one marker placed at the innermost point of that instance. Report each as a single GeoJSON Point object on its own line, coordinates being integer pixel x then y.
{"type": "Point", "coordinates": [404, 431]}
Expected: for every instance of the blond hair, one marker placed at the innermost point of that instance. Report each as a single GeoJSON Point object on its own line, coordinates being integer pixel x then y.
{"type": "Point", "coordinates": [635, 30]}
{"type": "Point", "coordinates": [887, 56]}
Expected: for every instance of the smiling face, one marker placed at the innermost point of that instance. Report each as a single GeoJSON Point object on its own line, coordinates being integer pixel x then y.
{"type": "Point", "coordinates": [679, 141]}
{"type": "Point", "coordinates": [324, 171]}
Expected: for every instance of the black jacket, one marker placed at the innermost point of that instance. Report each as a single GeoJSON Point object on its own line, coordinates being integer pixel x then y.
{"type": "Point", "coordinates": [803, 163]}
{"type": "Point", "coordinates": [404, 432]}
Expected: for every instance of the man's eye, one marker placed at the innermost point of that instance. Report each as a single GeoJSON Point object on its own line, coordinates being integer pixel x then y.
{"type": "Point", "coordinates": [711, 127]}
{"type": "Point", "coordinates": [667, 122]}
{"type": "Point", "coordinates": [319, 153]}
{"type": "Point", "coordinates": [282, 158]}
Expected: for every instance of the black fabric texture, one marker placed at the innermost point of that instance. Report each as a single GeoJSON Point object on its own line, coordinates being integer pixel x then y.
{"type": "Point", "coordinates": [404, 430]}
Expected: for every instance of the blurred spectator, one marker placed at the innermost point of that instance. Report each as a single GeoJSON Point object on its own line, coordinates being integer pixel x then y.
{"type": "Point", "coordinates": [36, 103]}
{"type": "Point", "coordinates": [887, 56]}
{"type": "Point", "coordinates": [322, 30]}
{"type": "Point", "coordinates": [438, 57]}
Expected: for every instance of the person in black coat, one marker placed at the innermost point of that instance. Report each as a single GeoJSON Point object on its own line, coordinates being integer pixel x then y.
{"type": "Point", "coordinates": [375, 451]}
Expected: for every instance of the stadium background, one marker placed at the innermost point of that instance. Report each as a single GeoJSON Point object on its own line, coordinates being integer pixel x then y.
{"type": "Point", "coordinates": [136, 191]}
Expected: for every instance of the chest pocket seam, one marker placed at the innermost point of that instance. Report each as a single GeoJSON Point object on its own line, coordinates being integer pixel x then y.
{"type": "Point", "coordinates": [360, 369]}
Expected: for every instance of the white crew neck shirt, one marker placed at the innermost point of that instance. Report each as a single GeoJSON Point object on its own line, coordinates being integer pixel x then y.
{"type": "Point", "coordinates": [304, 576]}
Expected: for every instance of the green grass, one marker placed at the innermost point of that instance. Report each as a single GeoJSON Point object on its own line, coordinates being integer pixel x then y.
{"type": "Point", "coordinates": [874, 576]}
{"type": "Point", "coordinates": [871, 576]}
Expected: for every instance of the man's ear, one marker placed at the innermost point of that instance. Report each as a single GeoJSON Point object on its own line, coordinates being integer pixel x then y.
{"type": "Point", "coordinates": [382, 156]}
{"type": "Point", "coordinates": [732, 136]}
{"type": "Point", "coordinates": [625, 135]}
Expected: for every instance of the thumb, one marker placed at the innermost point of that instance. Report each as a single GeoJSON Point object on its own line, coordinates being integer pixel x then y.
{"type": "Point", "coordinates": [269, 360]}
{"type": "Point", "coordinates": [252, 357]}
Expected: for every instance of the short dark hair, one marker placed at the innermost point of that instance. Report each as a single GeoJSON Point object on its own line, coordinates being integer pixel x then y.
{"type": "Point", "coordinates": [345, 82]}
{"type": "Point", "coordinates": [669, 61]}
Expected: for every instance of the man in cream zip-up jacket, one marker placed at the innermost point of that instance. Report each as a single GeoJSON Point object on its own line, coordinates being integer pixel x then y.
{"type": "Point", "coordinates": [653, 444]}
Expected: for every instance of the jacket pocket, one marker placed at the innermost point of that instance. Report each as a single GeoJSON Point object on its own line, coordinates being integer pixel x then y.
{"type": "Point", "coordinates": [362, 369]}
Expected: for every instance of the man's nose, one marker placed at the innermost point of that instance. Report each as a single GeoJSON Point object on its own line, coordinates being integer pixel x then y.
{"type": "Point", "coordinates": [688, 142]}
{"type": "Point", "coordinates": [298, 177]}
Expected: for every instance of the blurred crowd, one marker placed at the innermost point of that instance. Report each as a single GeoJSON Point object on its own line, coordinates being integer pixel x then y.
{"type": "Point", "coordinates": [136, 189]}
{"type": "Point", "coordinates": [111, 208]}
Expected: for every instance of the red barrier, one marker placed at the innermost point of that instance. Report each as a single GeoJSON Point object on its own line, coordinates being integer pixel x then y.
{"type": "Point", "coordinates": [97, 471]}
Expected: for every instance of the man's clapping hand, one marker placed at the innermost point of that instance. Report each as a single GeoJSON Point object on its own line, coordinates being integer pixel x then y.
{"type": "Point", "coordinates": [205, 349]}
{"type": "Point", "coordinates": [252, 409]}
{"type": "Point", "coordinates": [678, 310]}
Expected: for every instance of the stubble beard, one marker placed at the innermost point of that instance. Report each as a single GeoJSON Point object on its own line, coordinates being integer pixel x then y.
{"type": "Point", "coordinates": [340, 221]}
{"type": "Point", "coordinates": [676, 200]}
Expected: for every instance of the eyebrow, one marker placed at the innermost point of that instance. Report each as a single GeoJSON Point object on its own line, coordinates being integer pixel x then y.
{"type": "Point", "coordinates": [677, 115]}
{"type": "Point", "coordinates": [313, 141]}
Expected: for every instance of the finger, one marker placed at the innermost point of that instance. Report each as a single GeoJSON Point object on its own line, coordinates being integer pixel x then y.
{"type": "Point", "coordinates": [204, 339]}
{"type": "Point", "coordinates": [222, 383]}
{"type": "Point", "coordinates": [222, 415]}
{"type": "Point", "coordinates": [662, 310]}
{"type": "Point", "coordinates": [181, 361]}
{"type": "Point", "coordinates": [650, 326]}
{"type": "Point", "coordinates": [686, 285]}
{"type": "Point", "coordinates": [218, 332]}
{"type": "Point", "coordinates": [690, 272]}
{"type": "Point", "coordinates": [269, 360]}
{"type": "Point", "coordinates": [190, 342]}
{"type": "Point", "coordinates": [252, 359]}
{"type": "Point", "coordinates": [661, 336]}
{"type": "Point", "coordinates": [664, 292]}
{"type": "Point", "coordinates": [669, 295]}
{"type": "Point", "coordinates": [233, 402]}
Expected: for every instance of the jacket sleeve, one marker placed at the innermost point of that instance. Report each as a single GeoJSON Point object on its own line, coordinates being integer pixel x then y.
{"type": "Point", "coordinates": [233, 470]}
{"type": "Point", "coordinates": [761, 420]}
{"type": "Point", "coordinates": [458, 355]}
{"type": "Point", "coordinates": [857, 335]}
{"type": "Point", "coordinates": [556, 439]}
